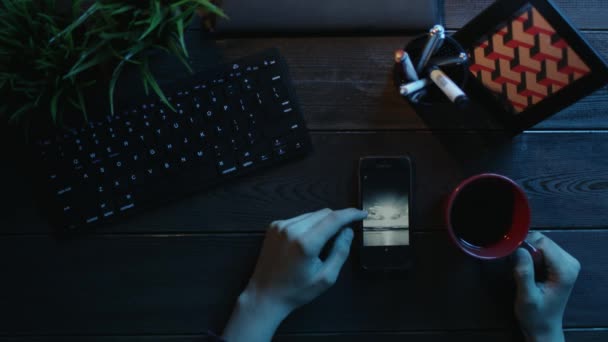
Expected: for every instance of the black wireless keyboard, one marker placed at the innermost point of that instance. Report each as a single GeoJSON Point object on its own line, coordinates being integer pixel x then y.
{"type": "Point", "coordinates": [228, 122]}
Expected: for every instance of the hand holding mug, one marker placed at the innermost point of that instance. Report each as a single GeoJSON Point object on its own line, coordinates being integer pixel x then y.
{"type": "Point", "coordinates": [540, 306]}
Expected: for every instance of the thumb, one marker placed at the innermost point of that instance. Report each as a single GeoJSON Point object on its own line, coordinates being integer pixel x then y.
{"type": "Point", "coordinates": [337, 256]}
{"type": "Point", "coordinates": [524, 273]}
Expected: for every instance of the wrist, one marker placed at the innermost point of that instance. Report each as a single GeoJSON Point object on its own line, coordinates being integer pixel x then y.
{"type": "Point", "coordinates": [252, 300]}
{"type": "Point", "coordinates": [255, 318]}
{"type": "Point", "coordinates": [555, 334]}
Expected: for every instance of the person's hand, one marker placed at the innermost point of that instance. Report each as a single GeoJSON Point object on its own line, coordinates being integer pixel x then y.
{"type": "Point", "coordinates": [289, 272]}
{"type": "Point", "coordinates": [540, 306]}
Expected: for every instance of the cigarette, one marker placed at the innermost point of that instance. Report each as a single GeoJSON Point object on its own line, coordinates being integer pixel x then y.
{"type": "Point", "coordinates": [447, 86]}
{"type": "Point", "coordinates": [408, 68]}
{"type": "Point", "coordinates": [448, 61]}
{"type": "Point", "coordinates": [403, 58]}
{"type": "Point", "coordinates": [417, 96]}
{"type": "Point", "coordinates": [410, 88]}
{"type": "Point", "coordinates": [435, 37]}
{"type": "Point", "coordinates": [399, 55]}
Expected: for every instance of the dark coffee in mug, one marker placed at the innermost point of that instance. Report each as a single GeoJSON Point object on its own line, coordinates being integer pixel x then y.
{"type": "Point", "coordinates": [482, 214]}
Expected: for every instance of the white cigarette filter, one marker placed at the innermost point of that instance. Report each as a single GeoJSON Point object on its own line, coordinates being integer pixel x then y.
{"type": "Point", "coordinates": [447, 86]}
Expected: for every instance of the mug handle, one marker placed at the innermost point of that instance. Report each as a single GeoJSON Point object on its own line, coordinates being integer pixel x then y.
{"type": "Point", "coordinates": [540, 271]}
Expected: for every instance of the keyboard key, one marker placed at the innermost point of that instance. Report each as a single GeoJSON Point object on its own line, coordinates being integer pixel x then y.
{"type": "Point", "coordinates": [197, 106]}
{"type": "Point", "coordinates": [185, 145]}
{"type": "Point", "coordinates": [153, 154]}
{"type": "Point", "coordinates": [169, 149]}
{"type": "Point", "coordinates": [136, 160]}
{"type": "Point", "coordinates": [230, 90]}
{"type": "Point", "coordinates": [106, 206]}
{"type": "Point", "coordinates": [247, 85]}
{"type": "Point", "coordinates": [118, 185]}
{"type": "Point", "coordinates": [213, 98]}
{"type": "Point", "coordinates": [264, 156]}
{"type": "Point", "coordinates": [125, 202]}
{"type": "Point", "coordinates": [183, 160]}
{"type": "Point", "coordinates": [246, 159]}
{"type": "Point", "coordinates": [101, 172]}
{"type": "Point", "coordinates": [151, 172]}
{"type": "Point", "coordinates": [236, 143]}
{"type": "Point", "coordinates": [221, 149]}
{"type": "Point", "coordinates": [280, 150]}
{"type": "Point", "coordinates": [110, 152]}
{"type": "Point", "coordinates": [118, 167]}
{"type": "Point", "coordinates": [276, 142]}
{"type": "Point", "coordinates": [67, 206]}
{"type": "Point", "coordinates": [146, 138]}
{"type": "Point", "coordinates": [209, 115]}
{"type": "Point", "coordinates": [134, 179]}
{"type": "Point", "coordinates": [168, 167]}
{"type": "Point", "coordinates": [226, 165]}
{"type": "Point", "coordinates": [218, 130]}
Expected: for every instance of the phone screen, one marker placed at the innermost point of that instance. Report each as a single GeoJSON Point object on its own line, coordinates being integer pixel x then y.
{"type": "Point", "coordinates": [385, 194]}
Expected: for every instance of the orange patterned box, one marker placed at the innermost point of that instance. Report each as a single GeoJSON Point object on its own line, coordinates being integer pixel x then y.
{"type": "Point", "coordinates": [530, 59]}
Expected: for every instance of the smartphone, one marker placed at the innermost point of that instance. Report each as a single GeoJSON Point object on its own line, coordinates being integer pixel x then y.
{"type": "Point", "coordinates": [385, 191]}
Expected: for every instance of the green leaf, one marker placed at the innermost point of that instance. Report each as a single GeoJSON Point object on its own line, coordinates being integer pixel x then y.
{"type": "Point", "coordinates": [134, 51]}
{"type": "Point", "coordinates": [76, 7]}
{"type": "Point", "coordinates": [49, 18]}
{"type": "Point", "coordinates": [155, 19]}
{"type": "Point", "coordinates": [82, 104]}
{"type": "Point", "coordinates": [54, 101]}
{"type": "Point", "coordinates": [206, 4]}
{"type": "Point", "coordinates": [121, 10]}
{"type": "Point", "coordinates": [178, 53]}
{"type": "Point", "coordinates": [110, 36]}
{"type": "Point", "coordinates": [37, 101]}
{"type": "Point", "coordinates": [145, 72]}
{"type": "Point", "coordinates": [17, 115]}
{"type": "Point", "coordinates": [11, 5]}
{"type": "Point", "coordinates": [89, 12]}
{"type": "Point", "coordinates": [161, 47]}
{"type": "Point", "coordinates": [115, 75]}
{"type": "Point", "coordinates": [180, 33]}
{"type": "Point", "coordinates": [146, 87]}
{"type": "Point", "coordinates": [80, 67]}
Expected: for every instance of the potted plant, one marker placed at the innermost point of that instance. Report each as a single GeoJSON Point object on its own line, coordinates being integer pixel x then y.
{"type": "Point", "coordinates": [52, 52]}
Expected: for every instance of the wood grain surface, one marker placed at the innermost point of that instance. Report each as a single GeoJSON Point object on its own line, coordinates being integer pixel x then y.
{"type": "Point", "coordinates": [173, 273]}
{"type": "Point", "coordinates": [169, 284]}
{"type": "Point", "coordinates": [584, 14]}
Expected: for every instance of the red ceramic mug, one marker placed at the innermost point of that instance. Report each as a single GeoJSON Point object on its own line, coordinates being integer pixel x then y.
{"type": "Point", "coordinates": [510, 198]}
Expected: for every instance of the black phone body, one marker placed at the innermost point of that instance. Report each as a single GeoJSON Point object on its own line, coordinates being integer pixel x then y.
{"type": "Point", "coordinates": [385, 191]}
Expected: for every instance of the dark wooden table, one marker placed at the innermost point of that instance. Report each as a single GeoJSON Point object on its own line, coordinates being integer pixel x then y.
{"type": "Point", "coordinates": [175, 272]}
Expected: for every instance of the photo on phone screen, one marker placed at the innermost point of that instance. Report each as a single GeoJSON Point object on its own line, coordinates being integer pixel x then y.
{"type": "Point", "coordinates": [385, 196]}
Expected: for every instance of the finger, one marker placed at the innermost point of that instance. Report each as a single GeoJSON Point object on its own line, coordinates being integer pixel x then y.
{"type": "Point", "coordinates": [524, 274]}
{"type": "Point", "coordinates": [303, 217]}
{"type": "Point", "coordinates": [282, 224]}
{"type": "Point", "coordinates": [329, 226]}
{"type": "Point", "coordinates": [559, 262]}
{"type": "Point", "coordinates": [303, 225]}
{"type": "Point", "coordinates": [337, 257]}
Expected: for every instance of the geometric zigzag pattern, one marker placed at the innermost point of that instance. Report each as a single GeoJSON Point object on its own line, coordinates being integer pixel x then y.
{"type": "Point", "coordinates": [525, 60]}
